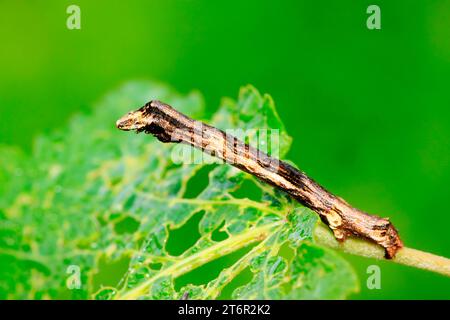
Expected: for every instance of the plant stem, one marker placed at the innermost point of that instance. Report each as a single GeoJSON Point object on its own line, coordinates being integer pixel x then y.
{"type": "Point", "coordinates": [406, 256]}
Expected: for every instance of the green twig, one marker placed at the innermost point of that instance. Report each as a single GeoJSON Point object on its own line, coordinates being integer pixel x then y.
{"type": "Point", "coordinates": [406, 256]}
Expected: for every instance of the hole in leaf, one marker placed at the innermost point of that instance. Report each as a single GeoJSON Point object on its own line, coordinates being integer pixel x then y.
{"type": "Point", "coordinates": [126, 225]}
{"type": "Point", "coordinates": [286, 251]}
{"type": "Point", "coordinates": [155, 266]}
{"type": "Point", "coordinates": [244, 277]}
{"type": "Point", "coordinates": [129, 202]}
{"type": "Point", "coordinates": [101, 220]}
{"type": "Point", "coordinates": [184, 237]}
{"type": "Point", "coordinates": [248, 189]}
{"type": "Point", "coordinates": [210, 270]}
{"type": "Point", "coordinates": [110, 272]}
{"type": "Point", "coordinates": [172, 166]}
{"type": "Point", "coordinates": [198, 182]}
{"type": "Point", "coordinates": [218, 235]}
{"type": "Point", "coordinates": [115, 216]}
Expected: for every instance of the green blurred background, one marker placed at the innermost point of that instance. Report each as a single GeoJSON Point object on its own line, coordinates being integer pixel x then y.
{"type": "Point", "coordinates": [368, 109]}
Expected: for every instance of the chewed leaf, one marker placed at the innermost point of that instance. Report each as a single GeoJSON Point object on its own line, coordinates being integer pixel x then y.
{"type": "Point", "coordinates": [95, 213]}
{"type": "Point", "coordinates": [255, 118]}
{"type": "Point", "coordinates": [258, 111]}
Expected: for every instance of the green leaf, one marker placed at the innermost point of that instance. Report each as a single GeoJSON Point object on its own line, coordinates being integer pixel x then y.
{"type": "Point", "coordinates": [94, 212]}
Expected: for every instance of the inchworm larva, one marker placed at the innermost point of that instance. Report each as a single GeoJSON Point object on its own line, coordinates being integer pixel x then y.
{"type": "Point", "coordinates": [169, 125]}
